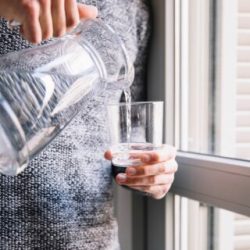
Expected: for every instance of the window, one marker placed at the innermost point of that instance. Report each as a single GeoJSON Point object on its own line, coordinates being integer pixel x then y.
{"type": "Point", "coordinates": [214, 117]}
{"type": "Point", "coordinates": [205, 227]}
{"type": "Point", "coordinates": [199, 66]}
{"type": "Point", "coordinates": [215, 78]}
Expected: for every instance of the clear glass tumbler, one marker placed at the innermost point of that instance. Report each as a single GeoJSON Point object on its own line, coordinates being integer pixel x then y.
{"type": "Point", "coordinates": [43, 88]}
{"type": "Point", "coordinates": [134, 129]}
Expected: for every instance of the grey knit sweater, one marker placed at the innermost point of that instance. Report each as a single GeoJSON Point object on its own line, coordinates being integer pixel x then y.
{"type": "Point", "coordinates": [63, 200]}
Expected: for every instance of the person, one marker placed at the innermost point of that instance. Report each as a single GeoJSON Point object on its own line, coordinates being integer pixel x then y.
{"type": "Point", "coordinates": [63, 199]}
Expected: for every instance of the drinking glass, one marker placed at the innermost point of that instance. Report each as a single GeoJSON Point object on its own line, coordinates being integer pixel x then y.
{"type": "Point", "coordinates": [134, 128]}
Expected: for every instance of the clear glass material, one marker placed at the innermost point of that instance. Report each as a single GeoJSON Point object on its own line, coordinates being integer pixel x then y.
{"type": "Point", "coordinates": [215, 78]}
{"type": "Point", "coordinates": [43, 88]}
{"type": "Point", "coordinates": [200, 227]}
{"type": "Point", "coordinates": [134, 128]}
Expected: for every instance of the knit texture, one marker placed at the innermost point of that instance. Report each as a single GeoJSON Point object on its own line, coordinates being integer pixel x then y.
{"type": "Point", "coordinates": [64, 198]}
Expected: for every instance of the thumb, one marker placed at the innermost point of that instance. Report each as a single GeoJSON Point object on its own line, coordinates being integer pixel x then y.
{"type": "Point", "coordinates": [108, 155]}
{"type": "Point", "coordinates": [87, 11]}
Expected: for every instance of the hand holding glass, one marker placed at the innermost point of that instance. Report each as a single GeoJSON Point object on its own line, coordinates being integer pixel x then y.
{"type": "Point", "coordinates": [134, 130]}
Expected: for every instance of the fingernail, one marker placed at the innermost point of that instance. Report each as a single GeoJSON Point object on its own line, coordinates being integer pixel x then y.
{"type": "Point", "coordinates": [121, 177]}
{"type": "Point", "coordinates": [146, 158]}
{"type": "Point", "coordinates": [131, 171]}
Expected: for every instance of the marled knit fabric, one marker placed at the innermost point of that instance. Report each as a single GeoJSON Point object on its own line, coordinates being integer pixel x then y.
{"type": "Point", "coordinates": [63, 200]}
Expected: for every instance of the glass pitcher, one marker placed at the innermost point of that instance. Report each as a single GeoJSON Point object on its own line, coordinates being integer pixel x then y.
{"type": "Point", "coordinates": [43, 88]}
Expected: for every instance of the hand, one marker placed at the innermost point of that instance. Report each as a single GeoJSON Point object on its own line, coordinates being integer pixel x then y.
{"type": "Point", "coordinates": [43, 19]}
{"type": "Point", "coordinates": [156, 174]}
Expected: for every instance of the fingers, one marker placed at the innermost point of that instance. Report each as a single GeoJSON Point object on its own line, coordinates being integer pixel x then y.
{"type": "Point", "coordinates": [58, 17]}
{"type": "Point", "coordinates": [66, 14]}
{"type": "Point", "coordinates": [46, 19]}
{"type": "Point", "coordinates": [154, 169]}
{"type": "Point", "coordinates": [31, 25]}
{"type": "Point", "coordinates": [165, 154]}
{"type": "Point", "coordinates": [87, 11]}
{"type": "Point", "coordinates": [154, 176]}
{"type": "Point", "coordinates": [108, 155]}
{"type": "Point", "coordinates": [152, 180]}
{"type": "Point", "coordinates": [72, 14]}
{"type": "Point", "coordinates": [154, 185]}
{"type": "Point", "coordinates": [42, 19]}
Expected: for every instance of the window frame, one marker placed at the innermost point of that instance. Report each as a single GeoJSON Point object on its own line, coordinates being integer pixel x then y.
{"type": "Point", "coordinates": [217, 181]}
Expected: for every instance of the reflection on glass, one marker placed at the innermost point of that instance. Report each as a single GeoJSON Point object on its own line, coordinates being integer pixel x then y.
{"type": "Point", "coordinates": [203, 227]}
{"type": "Point", "coordinates": [215, 77]}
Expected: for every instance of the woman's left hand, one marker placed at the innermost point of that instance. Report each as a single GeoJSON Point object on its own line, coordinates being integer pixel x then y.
{"type": "Point", "coordinates": [156, 174]}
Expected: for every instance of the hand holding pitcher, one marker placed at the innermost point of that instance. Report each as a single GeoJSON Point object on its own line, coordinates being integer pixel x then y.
{"type": "Point", "coordinates": [44, 19]}
{"type": "Point", "coordinates": [43, 88]}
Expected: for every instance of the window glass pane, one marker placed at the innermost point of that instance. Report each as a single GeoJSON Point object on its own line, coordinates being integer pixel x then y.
{"type": "Point", "coordinates": [215, 77]}
{"type": "Point", "coordinates": [203, 227]}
